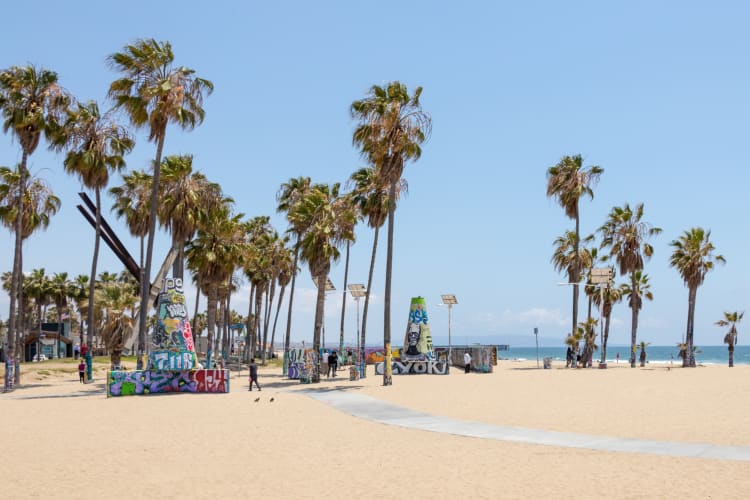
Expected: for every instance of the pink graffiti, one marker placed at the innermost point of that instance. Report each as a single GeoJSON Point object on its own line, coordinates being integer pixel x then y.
{"type": "Point", "coordinates": [187, 334]}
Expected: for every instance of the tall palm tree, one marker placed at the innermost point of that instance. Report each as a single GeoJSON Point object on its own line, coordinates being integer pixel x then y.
{"type": "Point", "coordinates": [257, 270]}
{"type": "Point", "coordinates": [39, 287]}
{"type": "Point", "coordinates": [32, 104]}
{"type": "Point", "coordinates": [568, 181]}
{"type": "Point", "coordinates": [638, 289]}
{"type": "Point", "coordinates": [38, 206]}
{"type": "Point", "coordinates": [79, 293]}
{"type": "Point", "coordinates": [625, 234]}
{"type": "Point", "coordinates": [730, 339]}
{"type": "Point", "coordinates": [155, 92]}
{"type": "Point", "coordinates": [96, 146]}
{"type": "Point", "coordinates": [348, 203]}
{"type": "Point", "coordinates": [392, 126]}
{"type": "Point", "coordinates": [370, 195]}
{"type": "Point", "coordinates": [284, 277]}
{"type": "Point", "coordinates": [611, 296]}
{"type": "Point", "coordinates": [213, 255]}
{"type": "Point", "coordinates": [132, 204]}
{"type": "Point", "coordinates": [329, 224]}
{"type": "Point", "coordinates": [289, 195]}
{"type": "Point", "coordinates": [693, 257]}
{"type": "Point", "coordinates": [187, 197]}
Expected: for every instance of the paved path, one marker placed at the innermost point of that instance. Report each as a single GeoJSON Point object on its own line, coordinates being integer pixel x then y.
{"type": "Point", "coordinates": [372, 409]}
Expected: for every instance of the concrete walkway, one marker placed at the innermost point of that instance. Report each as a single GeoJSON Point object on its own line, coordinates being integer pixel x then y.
{"type": "Point", "coordinates": [372, 409]}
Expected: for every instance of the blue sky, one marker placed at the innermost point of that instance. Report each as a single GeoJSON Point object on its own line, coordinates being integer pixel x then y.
{"type": "Point", "coordinates": [656, 93]}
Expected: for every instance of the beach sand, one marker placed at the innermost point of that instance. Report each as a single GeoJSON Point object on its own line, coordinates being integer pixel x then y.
{"type": "Point", "coordinates": [62, 439]}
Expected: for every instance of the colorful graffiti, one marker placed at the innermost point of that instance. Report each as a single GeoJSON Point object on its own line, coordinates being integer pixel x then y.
{"type": "Point", "coordinates": [418, 340]}
{"type": "Point", "coordinates": [481, 357]}
{"type": "Point", "coordinates": [415, 368]}
{"type": "Point", "coordinates": [300, 363]}
{"type": "Point", "coordinates": [133, 383]}
{"type": "Point", "coordinates": [172, 346]}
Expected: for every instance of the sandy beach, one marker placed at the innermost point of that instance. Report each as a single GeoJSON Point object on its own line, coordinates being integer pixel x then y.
{"type": "Point", "coordinates": [66, 440]}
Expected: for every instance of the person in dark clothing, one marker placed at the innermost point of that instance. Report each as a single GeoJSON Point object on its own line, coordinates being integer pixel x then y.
{"type": "Point", "coordinates": [333, 361]}
{"type": "Point", "coordinates": [82, 371]}
{"type": "Point", "coordinates": [253, 374]}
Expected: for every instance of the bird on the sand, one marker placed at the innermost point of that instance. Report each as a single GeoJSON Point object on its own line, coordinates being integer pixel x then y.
{"type": "Point", "coordinates": [271, 400]}
{"type": "Point", "coordinates": [257, 399]}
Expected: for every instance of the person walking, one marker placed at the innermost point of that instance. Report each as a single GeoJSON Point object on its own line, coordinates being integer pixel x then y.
{"type": "Point", "coordinates": [253, 374]}
{"type": "Point", "coordinates": [82, 371]}
{"type": "Point", "coordinates": [467, 362]}
{"type": "Point", "coordinates": [333, 361]}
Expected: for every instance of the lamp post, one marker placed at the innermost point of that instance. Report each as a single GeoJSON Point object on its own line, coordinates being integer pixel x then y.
{"type": "Point", "coordinates": [449, 300]}
{"type": "Point", "coordinates": [328, 288]}
{"type": "Point", "coordinates": [358, 291]}
{"type": "Point", "coordinates": [536, 336]}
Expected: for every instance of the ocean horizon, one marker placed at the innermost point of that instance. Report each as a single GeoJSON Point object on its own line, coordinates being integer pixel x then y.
{"type": "Point", "coordinates": [705, 355]}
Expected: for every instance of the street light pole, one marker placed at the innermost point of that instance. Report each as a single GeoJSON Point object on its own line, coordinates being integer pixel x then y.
{"type": "Point", "coordinates": [358, 291]}
{"type": "Point", "coordinates": [449, 300]}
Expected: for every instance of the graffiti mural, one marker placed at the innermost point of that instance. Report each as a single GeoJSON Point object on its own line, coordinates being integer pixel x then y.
{"type": "Point", "coordinates": [172, 345]}
{"type": "Point", "coordinates": [133, 383]}
{"type": "Point", "coordinates": [415, 368]}
{"type": "Point", "coordinates": [300, 363]}
{"type": "Point", "coordinates": [418, 339]}
{"type": "Point", "coordinates": [482, 357]}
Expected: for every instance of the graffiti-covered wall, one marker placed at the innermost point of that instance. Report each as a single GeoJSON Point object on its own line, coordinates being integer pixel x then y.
{"type": "Point", "coordinates": [172, 345]}
{"type": "Point", "coordinates": [482, 357]}
{"type": "Point", "coordinates": [418, 339]}
{"type": "Point", "coordinates": [299, 362]}
{"type": "Point", "coordinates": [133, 383]}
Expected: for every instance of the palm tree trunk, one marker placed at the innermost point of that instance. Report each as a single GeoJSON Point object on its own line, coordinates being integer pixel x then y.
{"type": "Point", "coordinates": [249, 329]}
{"type": "Point", "coordinates": [221, 336]}
{"type": "Point", "coordinates": [266, 319]}
{"type": "Point", "coordinates": [196, 334]}
{"type": "Point", "coordinates": [388, 368]}
{"type": "Point", "coordinates": [146, 281]}
{"type": "Point", "coordinates": [633, 318]}
{"type": "Point", "coordinates": [13, 325]}
{"type": "Point", "coordinates": [287, 338]}
{"type": "Point", "coordinates": [92, 283]}
{"type": "Point", "coordinates": [690, 358]}
{"type": "Point", "coordinates": [343, 300]}
{"type": "Point", "coordinates": [211, 318]}
{"type": "Point", "coordinates": [367, 302]}
{"type": "Point", "coordinates": [731, 355]}
{"type": "Point", "coordinates": [276, 318]}
{"type": "Point", "coordinates": [606, 337]}
{"type": "Point", "coordinates": [576, 276]}
{"type": "Point", "coordinates": [319, 312]}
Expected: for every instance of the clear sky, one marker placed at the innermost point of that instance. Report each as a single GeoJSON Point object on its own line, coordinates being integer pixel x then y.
{"type": "Point", "coordinates": [656, 93]}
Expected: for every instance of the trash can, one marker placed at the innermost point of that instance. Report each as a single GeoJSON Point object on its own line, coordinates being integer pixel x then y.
{"type": "Point", "coordinates": [547, 363]}
{"type": "Point", "coordinates": [353, 373]}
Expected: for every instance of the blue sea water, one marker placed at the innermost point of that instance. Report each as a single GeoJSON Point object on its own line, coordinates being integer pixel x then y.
{"type": "Point", "coordinates": [708, 355]}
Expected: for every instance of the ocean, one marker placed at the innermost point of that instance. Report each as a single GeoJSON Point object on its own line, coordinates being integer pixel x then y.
{"type": "Point", "coordinates": [708, 355]}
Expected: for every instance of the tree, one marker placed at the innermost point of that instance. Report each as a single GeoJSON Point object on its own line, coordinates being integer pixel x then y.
{"type": "Point", "coordinates": [347, 204]}
{"type": "Point", "coordinates": [38, 286]}
{"type": "Point", "coordinates": [115, 300]}
{"type": "Point", "coordinates": [132, 204]}
{"type": "Point", "coordinates": [693, 257]}
{"type": "Point", "coordinates": [289, 195]}
{"type": "Point", "coordinates": [213, 255]}
{"type": "Point", "coordinates": [96, 146]}
{"type": "Point", "coordinates": [187, 198]}
{"type": "Point", "coordinates": [392, 126]}
{"type": "Point", "coordinates": [638, 289]}
{"type": "Point", "coordinates": [329, 224]}
{"type": "Point", "coordinates": [625, 234]}
{"type": "Point", "coordinates": [153, 93]}
{"type": "Point", "coordinates": [730, 339]}
{"type": "Point", "coordinates": [567, 182]}
{"type": "Point", "coordinates": [61, 290]}
{"type": "Point", "coordinates": [32, 104]}
{"type": "Point", "coordinates": [611, 296]}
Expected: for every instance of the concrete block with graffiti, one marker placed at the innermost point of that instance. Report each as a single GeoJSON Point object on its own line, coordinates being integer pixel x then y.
{"type": "Point", "coordinates": [141, 382]}
{"type": "Point", "coordinates": [172, 345]}
{"type": "Point", "coordinates": [418, 339]}
{"type": "Point", "coordinates": [414, 368]}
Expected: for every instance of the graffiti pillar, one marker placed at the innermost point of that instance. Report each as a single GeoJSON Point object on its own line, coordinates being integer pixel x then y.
{"type": "Point", "coordinates": [172, 345]}
{"type": "Point", "coordinates": [418, 339]}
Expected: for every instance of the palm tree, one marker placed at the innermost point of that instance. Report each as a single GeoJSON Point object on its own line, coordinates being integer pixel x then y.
{"type": "Point", "coordinates": [290, 193]}
{"type": "Point", "coordinates": [61, 290]}
{"type": "Point", "coordinates": [31, 103]}
{"type": "Point", "coordinates": [567, 182]}
{"type": "Point", "coordinates": [153, 93]}
{"type": "Point", "coordinates": [391, 130]}
{"type": "Point", "coordinates": [132, 204]}
{"type": "Point", "coordinates": [329, 223]}
{"type": "Point", "coordinates": [39, 287]}
{"type": "Point", "coordinates": [730, 339]}
{"type": "Point", "coordinates": [116, 299]}
{"type": "Point", "coordinates": [642, 357]}
{"type": "Point", "coordinates": [39, 205]}
{"type": "Point", "coordinates": [186, 199]}
{"type": "Point", "coordinates": [625, 233]}
{"type": "Point", "coordinates": [79, 293]}
{"type": "Point", "coordinates": [284, 277]}
{"type": "Point", "coordinates": [213, 255]}
{"type": "Point", "coordinates": [638, 289]}
{"type": "Point", "coordinates": [611, 296]}
{"type": "Point", "coordinates": [589, 340]}
{"type": "Point", "coordinates": [693, 257]}
{"type": "Point", "coordinates": [96, 147]}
